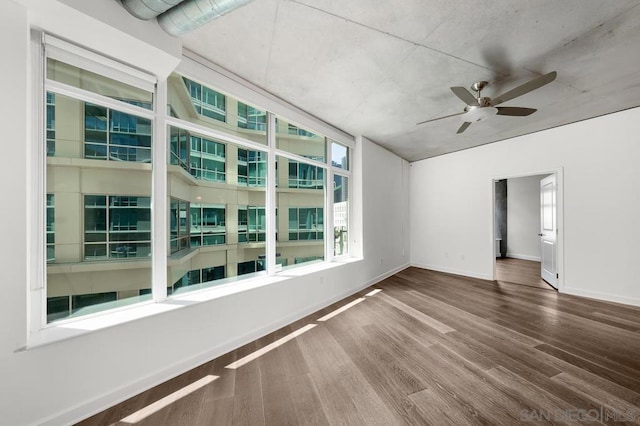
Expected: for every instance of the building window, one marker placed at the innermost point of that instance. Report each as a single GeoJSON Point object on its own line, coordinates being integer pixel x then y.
{"type": "Point", "coordinates": [206, 101]}
{"type": "Point", "coordinates": [251, 118]}
{"type": "Point", "coordinates": [305, 176]}
{"type": "Point", "coordinates": [306, 223]}
{"type": "Point", "coordinates": [340, 215]}
{"type": "Point", "coordinates": [114, 135]}
{"type": "Point", "coordinates": [207, 159]}
{"type": "Point", "coordinates": [58, 307]}
{"type": "Point", "coordinates": [252, 168]}
{"type": "Point", "coordinates": [251, 266]}
{"type": "Point", "coordinates": [203, 158]}
{"type": "Point", "coordinates": [179, 147]}
{"type": "Point", "coordinates": [85, 301]}
{"type": "Point", "coordinates": [208, 225]}
{"type": "Point", "coordinates": [199, 276]}
{"type": "Point", "coordinates": [295, 130]}
{"type": "Point", "coordinates": [51, 229]}
{"type": "Point", "coordinates": [51, 124]}
{"type": "Point", "coordinates": [117, 227]}
{"type": "Point", "coordinates": [178, 225]}
{"type": "Point", "coordinates": [252, 224]}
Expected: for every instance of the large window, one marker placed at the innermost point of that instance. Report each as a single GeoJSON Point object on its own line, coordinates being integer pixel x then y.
{"type": "Point", "coordinates": [225, 203]}
{"type": "Point", "coordinates": [304, 212]}
{"type": "Point", "coordinates": [98, 213]}
{"type": "Point", "coordinates": [102, 161]}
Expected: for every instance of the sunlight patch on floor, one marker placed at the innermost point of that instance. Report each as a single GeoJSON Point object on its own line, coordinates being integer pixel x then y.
{"type": "Point", "coordinates": [145, 412]}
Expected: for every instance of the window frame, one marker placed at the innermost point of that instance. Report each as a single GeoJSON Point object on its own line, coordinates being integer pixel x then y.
{"type": "Point", "coordinates": [44, 46]}
{"type": "Point", "coordinates": [160, 119]}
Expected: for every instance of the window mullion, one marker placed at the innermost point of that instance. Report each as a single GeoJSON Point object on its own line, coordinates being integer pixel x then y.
{"type": "Point", "coordinates": [215, 134]}
{"type": "Point", "coordinates": [271, 195]}
{"type": "Point", "coordinates": [96, 98]}
{"type": "Point", "coordinates": [159, 197]}
{"type": "Point", "coordinates": [328, 209]}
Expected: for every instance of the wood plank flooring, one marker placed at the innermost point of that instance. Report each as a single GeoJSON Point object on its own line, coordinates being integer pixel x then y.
{"type": "Point", "coordinates": [430, 348]}
{"type": "Point", "coordinates": [518, 271]}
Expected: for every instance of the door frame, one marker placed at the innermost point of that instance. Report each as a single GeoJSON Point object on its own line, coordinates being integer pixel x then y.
{"type": "Point", "coordinates": [559, 172]}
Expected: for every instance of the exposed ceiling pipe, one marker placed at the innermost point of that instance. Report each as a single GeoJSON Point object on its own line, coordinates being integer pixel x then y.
{"type": "Point", "coordinates": [148, 9]}
{"type": "Point", "coordinates": [191, 14]}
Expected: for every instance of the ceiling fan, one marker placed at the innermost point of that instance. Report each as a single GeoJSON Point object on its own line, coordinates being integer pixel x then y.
{"type": "Point", "coordinates": [480, 107]}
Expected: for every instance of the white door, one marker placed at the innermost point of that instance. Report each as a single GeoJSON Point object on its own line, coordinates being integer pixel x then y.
{"type": "Point", "coordinates": [548, 230]}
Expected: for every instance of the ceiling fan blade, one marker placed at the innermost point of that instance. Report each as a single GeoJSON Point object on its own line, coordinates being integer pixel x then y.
{"type": "Point", "coordinates": [463, 127]}
{"type": "Point", "coordinates": [516, 111]}
{"type": "Point", "coordinates": [440, 118]}
{"type": "Point", "coordinates": [464, 95]}
{"type": "Point", "coordinates": [527, 87]}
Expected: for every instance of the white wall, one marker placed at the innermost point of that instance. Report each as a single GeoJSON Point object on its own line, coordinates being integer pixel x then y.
{"type": "Point", "coordinates": [523, 217]}
{"type": "Point", "coordinates": [451, 204]}
{"type": "Point", "coordinates": [386, 189]}
{"type": "Point", "coordinates": [65, 381]}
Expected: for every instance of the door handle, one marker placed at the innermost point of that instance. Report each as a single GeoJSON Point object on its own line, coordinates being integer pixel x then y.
{"type": "Point", "coordinates": [540, 235]}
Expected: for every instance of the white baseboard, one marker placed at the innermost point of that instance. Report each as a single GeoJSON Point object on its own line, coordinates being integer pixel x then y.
{"type": "Point", "coordinates": [101, 403]}
{"type": "Point", "coordinates": [524, 257]}
{"type": "Point", "coordinates": [384, 276]}
{"type": "Point", "coordinates": [634, 301]}
{"type": "Point", "coordinates": [471, 274]}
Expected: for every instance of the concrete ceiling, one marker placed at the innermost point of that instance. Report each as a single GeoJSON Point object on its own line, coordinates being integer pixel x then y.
{"type": "Point", "coordinates": [377, 68]}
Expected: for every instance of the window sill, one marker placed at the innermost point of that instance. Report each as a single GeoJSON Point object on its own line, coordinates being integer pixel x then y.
{"type": "Point", "coordinates": [68, 329]}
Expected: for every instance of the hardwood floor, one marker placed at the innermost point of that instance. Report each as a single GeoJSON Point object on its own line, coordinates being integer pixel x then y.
{"type": "Point", "coordinates": [430, 348]}
{"type": "Point", "coordinates": [518, 271]}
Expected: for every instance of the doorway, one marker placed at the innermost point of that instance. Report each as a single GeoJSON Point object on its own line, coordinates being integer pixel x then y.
{"type": "Point", "coordinates": [527, 212]}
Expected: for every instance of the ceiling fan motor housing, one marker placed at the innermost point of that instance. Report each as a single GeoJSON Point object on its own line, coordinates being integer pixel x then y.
{"type": "Point", "coordinates": [479, 113]}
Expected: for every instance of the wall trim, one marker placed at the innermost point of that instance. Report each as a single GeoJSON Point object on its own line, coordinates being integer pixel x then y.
{"type": "Point", "coordinates": [384, 276]}
{"type": "Point", "coordinates": [452, 271]}
{"type": "Point", "coordinates": [524, 257]}
{"type": "Point", "coordinates": [633, 301]}
{"type": "Point", "coordinates": [101, 403]}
